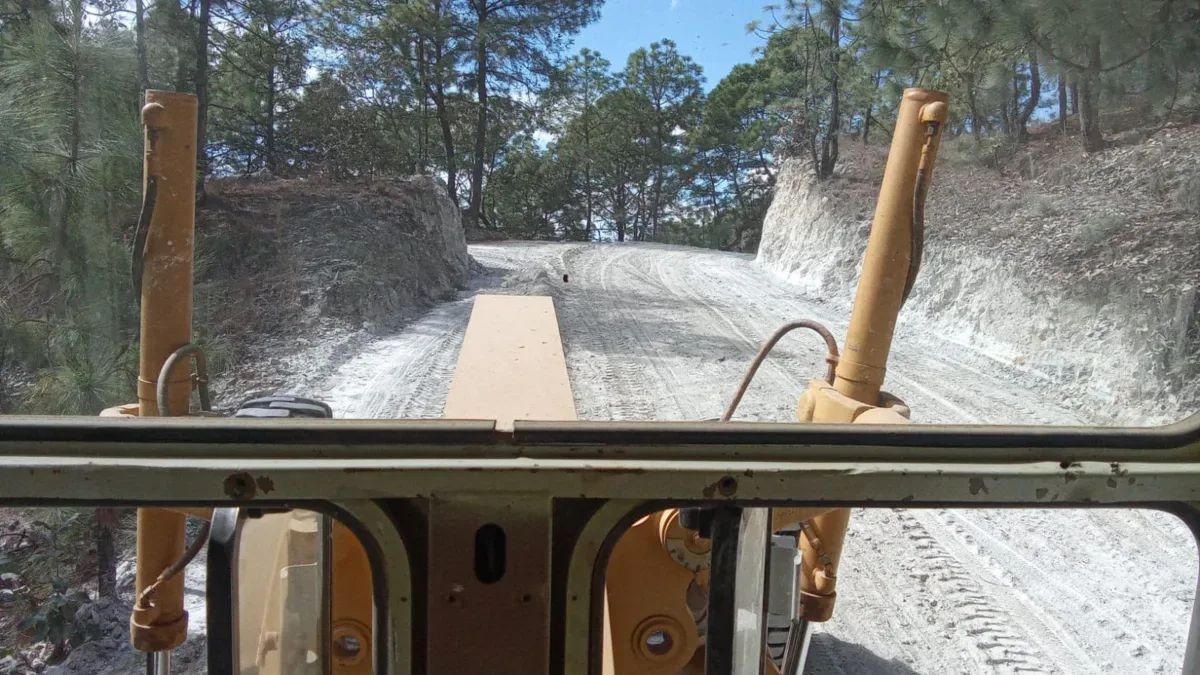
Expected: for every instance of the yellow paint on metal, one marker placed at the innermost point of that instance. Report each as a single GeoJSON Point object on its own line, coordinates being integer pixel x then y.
{"type": "Point", "coordinates": [856, 395]}
{"type": "Point", "coordinates": [166, 325]}
{"type": "Point", "coordinates": [510, 367]}
{"type": "Point", "coordinates": [351, 604]}
{"type": "Point", "coordinates": [125, 410]}
{"type": "Point", "coordinates": [860, 371]}
{"type": "Point", "coordinates": [652, 628]}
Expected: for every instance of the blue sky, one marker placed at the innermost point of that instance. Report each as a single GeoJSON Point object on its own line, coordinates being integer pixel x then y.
{"type": "Point", "coordinates": [713, 32]}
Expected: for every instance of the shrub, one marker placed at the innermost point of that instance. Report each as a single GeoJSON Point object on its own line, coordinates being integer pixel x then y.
{"type": "Point", "coordinates": [988, 151]}
{"type": "Point", "coordinates": [1187, 196]}
{"type": "Point", "coordinates": [43, 580]}
{"type": "Point", "coordinates": [1095, 230]}
{"type": "Point", "coordinates": [1043, 205]}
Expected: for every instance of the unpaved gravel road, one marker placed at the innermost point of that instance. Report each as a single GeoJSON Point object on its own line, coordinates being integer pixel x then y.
{"type": "Point", "coordinates": [666, 333]}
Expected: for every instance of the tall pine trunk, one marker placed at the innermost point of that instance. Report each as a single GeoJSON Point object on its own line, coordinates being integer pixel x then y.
{"type": "Point", "coordinates": [1007, 110]}
{"type": "Point", "coordinates": [973, 106]}
{"type": "Point", "coordinates": [269, 132]}
{"type": "Point", "coordinates": [202, 98]}
{"type": "Point", "coordinates": [447, 144]}
{"type": "Point", "coordinates": [1089, 102]}
{"type": "Point", "coordinates": [437, 93]}
{"type": "Point", "coordinates": [475, 210]}
{"type": "Point", "coordinates": [143, 66]}
{"type": "Point", "coordinates": [182, 67]}
{"type": "Point", "coordinates": [620, 212]}
{"type": "Point", "coordinates": [1062, 104]}
{"type": "Point", "coordinates": [1035, 95]}
{"type": "Point", "coordinates": [656, 187]}
{"type": "Point", "coordinates": [106, 520]}
{"type": "Point", "coordinates": [587, 180]}
{"type": "Point", "coordinates": [62, 234]}
{"type": "Point", "coordinates": [829, 144]}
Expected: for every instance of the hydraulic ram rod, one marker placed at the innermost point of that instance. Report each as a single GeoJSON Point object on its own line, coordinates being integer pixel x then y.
{"type": "Point", "coordinates": [889, 255]}
{"type": "Point", "coordinates": [159, 622]}
{"type": "Point", "coordinates": [892, 258]}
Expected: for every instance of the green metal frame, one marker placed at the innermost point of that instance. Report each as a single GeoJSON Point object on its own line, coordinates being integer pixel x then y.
{"type": "Point", "coordinates": [599, 474]}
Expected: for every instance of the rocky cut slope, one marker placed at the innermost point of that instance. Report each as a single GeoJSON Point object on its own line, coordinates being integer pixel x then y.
{"type": "Point", "coordinates": [1076, 271]}
{"type": "Point", "coordinates": [286, 266]}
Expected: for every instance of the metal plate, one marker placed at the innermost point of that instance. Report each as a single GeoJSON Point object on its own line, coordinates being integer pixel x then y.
{"type": "Point", "coordinates": [750, 592]}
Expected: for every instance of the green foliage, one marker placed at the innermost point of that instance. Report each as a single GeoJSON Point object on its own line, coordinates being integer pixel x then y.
{"type": "Point", "coordinates": [257, 81]}
{"type": "Point", "coordinates": [42, 577]}
{"type": "Point", "coordinates": [70, 176]}
{"type": "Point", "coordinates": [535, 145]}
{"type": "Point", "coordinates": [528, 140]}
{"type": "Point", "coordinates": [54, 619]}
{"type": "Point", "coordinates": [811, 65]}
{"type": "Point", "coordinates": [732, 173]}
{"type": "Point", "coordinates": [531, 196]}
{"type": "Point", "coordinates": [87, 374]}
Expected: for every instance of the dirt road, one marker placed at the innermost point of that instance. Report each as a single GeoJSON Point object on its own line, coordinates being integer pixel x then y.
{"type": "Point", "coordinates": [666, 333]}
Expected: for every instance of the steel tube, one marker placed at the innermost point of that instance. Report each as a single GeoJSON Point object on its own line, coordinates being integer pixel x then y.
{"type": "Point", "coordinates": [160, 623]}
{"type": "Point", "coordinates": [860, 371]}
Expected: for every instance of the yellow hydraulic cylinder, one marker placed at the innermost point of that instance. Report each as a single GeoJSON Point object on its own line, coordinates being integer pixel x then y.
{"type": "Point", "coordinates": [888, 271]}
{"type": "Point", "coordinates": [159, 622]}
{"type": "Point", "coordinates": [885, 269]}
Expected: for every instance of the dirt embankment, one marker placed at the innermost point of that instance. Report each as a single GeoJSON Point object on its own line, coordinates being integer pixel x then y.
{"type": "Point", "coordinates": [1080, 271]}
{"type": "Point", "coordinates": [284, 266]}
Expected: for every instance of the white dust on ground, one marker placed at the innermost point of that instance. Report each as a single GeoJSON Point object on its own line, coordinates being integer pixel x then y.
{"type": "Point", "coordinates": [665, 333]}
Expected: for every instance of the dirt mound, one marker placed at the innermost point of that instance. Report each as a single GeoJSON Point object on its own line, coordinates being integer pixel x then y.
{"type": "Point", "coordinates": [1081, 270]}
{"type": "Point", "coordinates": [284, 261]}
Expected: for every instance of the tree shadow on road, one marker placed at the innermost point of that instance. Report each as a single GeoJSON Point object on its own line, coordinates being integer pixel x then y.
{"type": "Point", "coordinates": [828, 655]}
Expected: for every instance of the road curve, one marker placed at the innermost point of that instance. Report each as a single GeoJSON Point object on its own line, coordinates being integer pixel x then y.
{"type": "Point", "coordinates": [654, 332]}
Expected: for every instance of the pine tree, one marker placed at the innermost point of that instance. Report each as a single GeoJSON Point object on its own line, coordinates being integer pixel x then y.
{"type": "Point", "coordinates": [732, 173]}
{"type": "Point", "coordinates": [1093, 40]}
{"type": "Point", "coordinates": [668, 84]}
{"type": "Point", "coordinates": [69, 179]}
{"type": "Point", "coordinates": [69, 169]}
{"type": "Point", "coordinates": [573, 97]}
{"type": "Point", "coordinates": [255, 87]}
{"type": "Point", "coordinates": [512, 43]}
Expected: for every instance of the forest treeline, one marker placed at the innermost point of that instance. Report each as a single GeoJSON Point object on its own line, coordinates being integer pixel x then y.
{"type": "Point", "coordinates": [533, 136]}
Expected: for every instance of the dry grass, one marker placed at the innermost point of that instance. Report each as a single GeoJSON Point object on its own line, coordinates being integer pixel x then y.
{"type": "Point", "coordinates": [1117, 230]}
{"type": "Point", "coordinates": [1187, 195]}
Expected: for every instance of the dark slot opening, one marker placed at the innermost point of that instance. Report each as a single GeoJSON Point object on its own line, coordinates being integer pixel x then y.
{"type": "Point", "coordinates": [490, 547]}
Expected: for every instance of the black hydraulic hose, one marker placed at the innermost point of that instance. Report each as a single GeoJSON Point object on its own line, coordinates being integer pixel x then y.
{"type": "Point", "coordinates": [920, 192]}
{"type": "Point", "coordinates": [140, 235]}
{"type": "Point", "coordinates": [163, 389]}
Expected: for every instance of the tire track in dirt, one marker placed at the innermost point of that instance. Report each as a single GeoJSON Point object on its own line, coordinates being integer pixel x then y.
{"type": "Point", "coordinates": [666, 333]}
{"type": "Point", "coordinates": [1013, 630]}
{"type": "Point", "coordinates": [640, 365]}
{"type": "Point", "coordinates": [407, 375]}
{"type": "Point", "coordinates": [1036, 569]}
{"type": "Point", "coordinates": [588, 345]}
